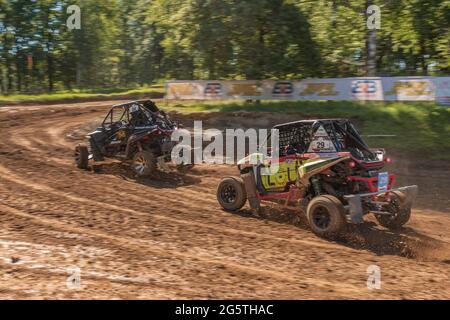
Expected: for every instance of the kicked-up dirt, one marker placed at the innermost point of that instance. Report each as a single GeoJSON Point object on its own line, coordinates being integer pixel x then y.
{"type": "Point", "coordinates": [166, 237]}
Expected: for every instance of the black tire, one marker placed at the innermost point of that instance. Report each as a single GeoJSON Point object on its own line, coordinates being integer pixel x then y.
{"type": "Point", "coordinates": [400, 213]}
{"type": "Point", "coordinates": [82, 156]}
{"type": "Point", "coordinates": [144, 163]}
{"type": "Point", "coordinates": [326, 216]}
{"type": "Point", "coordinates": [231, 194]}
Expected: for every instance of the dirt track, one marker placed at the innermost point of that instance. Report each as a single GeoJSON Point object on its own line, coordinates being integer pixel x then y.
{"type": "Point", "coordinates": [166, 237]}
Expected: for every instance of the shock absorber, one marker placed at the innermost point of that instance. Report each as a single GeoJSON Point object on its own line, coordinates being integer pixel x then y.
{"type": "Point", "coordinates": [315, 181]}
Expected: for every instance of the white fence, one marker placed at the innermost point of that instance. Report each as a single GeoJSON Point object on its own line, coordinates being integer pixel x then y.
{"type": "Point", "coordinates": [376, 88]}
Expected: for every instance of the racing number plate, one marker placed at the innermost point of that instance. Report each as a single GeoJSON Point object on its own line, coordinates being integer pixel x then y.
{"type": "Point", "coordinates": [383, 181]}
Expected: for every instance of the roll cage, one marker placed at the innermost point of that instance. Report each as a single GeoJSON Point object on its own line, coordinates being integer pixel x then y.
{"type": "Point", "coordinates": [148, 113]}
{"type": "Point", "coordinates": [298, 135]}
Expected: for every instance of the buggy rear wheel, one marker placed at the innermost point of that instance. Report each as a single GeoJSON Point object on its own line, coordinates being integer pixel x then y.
{"type": "Point", "coordinates": [326, 216]}
{"type": "Point", "coordinates": [400, 213]}
{"type": "Point", "coordinates": [81, 156]}
{"type": "Point", "coordinates": [144, 163]}
{"type": "Point", "coordinates": [231, 194]}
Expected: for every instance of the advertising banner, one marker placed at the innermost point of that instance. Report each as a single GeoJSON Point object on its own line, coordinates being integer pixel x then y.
{"type": "Point", "coordinates": [374, 88]}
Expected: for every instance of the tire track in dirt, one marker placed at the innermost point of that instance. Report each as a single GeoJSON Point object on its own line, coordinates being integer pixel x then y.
{"type": "Point", "coordinates": [101, 284]}
{"type": "Point", "coordinates": [51, 245]}
{"type": "Point", "coordinates": [138, 245]}
{"type": "Point", "coordinates": [51, 266]}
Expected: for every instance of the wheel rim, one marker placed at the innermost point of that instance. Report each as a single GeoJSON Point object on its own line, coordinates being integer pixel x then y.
{"type": "Point", "coordinates": [321, 217]}
{"type": "Point", "coordinates": [394, 209]}
{"type": "Point", "coordinates": [228, 193]}
{"type": "Point", "coordinates": [140, 164]}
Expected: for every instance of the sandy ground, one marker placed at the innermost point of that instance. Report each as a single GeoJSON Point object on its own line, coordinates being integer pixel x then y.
{"type": "Point", "coordinates": [166, 236]}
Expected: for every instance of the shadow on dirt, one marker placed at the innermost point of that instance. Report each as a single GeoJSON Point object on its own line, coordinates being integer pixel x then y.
{"type": "Point", "coordinates": [405, 242]}
{"type": "Point", "coordinates": [159, 179]}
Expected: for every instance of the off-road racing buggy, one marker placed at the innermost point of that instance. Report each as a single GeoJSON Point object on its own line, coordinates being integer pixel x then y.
{"type": "Point", "coordinates": [136, 131]}
{"type": "Point", "coordinates": [327, 171]}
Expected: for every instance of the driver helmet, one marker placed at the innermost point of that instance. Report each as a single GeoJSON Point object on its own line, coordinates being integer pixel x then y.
{"type": "Point", "coordinates": [134, 109]}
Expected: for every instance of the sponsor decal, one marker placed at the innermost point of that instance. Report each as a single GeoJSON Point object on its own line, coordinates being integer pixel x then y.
{"type": "Point", "coordinates": [283, 88]}
{"type": "Point", "coordinates": [404, 89]}
{"type": "Point", "coordinates": [443, 91]}
{"type": "Point", "coordinates": [328, 155]}
{"type": "Point", "coordinates": [383, 181]}
{"type": "Point", "coordinates": [319, 89]}
{"type": "Point", "coordinates": [178, 90]}
{"type": "Point", "coordinates": [120, 134]}
{"type": "Point", "coordinates": [245, 89]}
{"type": "Point", "coordinates": [321, 142]}
{"type": "Point", "coordinates": [213, 89]}
{"type": "Point", "coordinates": [364, 88]}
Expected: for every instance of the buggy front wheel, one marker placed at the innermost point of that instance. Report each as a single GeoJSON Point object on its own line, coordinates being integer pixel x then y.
{"type": "Point", "coordinates": [231, 194]}
{"type": "Point", "coordinates": [326, 216]}
{"type": "Point", "coordinates": [81, 156]}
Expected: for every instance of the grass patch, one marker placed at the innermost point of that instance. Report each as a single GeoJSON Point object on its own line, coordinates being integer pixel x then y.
{"type": "Point", "coordinates": [152, 92]}
{"type": "Point", "coordinates": [421, 128]}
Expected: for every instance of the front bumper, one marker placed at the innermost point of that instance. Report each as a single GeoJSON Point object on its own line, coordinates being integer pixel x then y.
{"type": "Point", "coordinates": [355, 208]}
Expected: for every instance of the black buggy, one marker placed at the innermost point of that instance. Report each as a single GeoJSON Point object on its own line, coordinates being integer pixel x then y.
{"type": "Point", "coordinates": [136, 131]}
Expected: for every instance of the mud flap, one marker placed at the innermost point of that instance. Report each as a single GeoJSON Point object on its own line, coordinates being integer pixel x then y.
{"type": "Point", "coordinates": [355, 206]}
{"type": "Point", "coordinates": [250, 189]}
{"type": "Point", "coordinates": [410, 193]}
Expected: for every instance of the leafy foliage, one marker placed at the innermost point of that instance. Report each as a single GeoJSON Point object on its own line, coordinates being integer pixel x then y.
{"type": "Point", "coordinates": [137, 42]}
